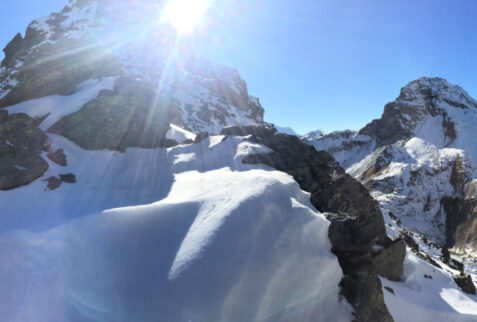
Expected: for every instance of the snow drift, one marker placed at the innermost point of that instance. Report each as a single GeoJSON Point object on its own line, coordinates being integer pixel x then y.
{"type": "Point", "coordinates": [229, 242]}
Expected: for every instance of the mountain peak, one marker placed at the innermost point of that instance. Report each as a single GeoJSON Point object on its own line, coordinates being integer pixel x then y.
{"type": "Point", "coordinates": [95, 39]}
{"type": "Point", "coordinates": [436, 91]}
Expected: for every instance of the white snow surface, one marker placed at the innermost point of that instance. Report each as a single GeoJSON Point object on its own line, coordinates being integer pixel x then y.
{"type": "Point", "coordinates": [179, 134]}
{"type": "Point", "coordinates": [417, 298]}
{"type": "Point", "coordinates": [188, 233]}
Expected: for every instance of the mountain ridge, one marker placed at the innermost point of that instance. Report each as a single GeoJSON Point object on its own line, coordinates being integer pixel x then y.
{"type": "Point", "coordinates": [418, 160]}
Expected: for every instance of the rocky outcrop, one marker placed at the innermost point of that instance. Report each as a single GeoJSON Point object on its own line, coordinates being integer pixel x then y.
{"type": "Point", "coordinates": [356, 221]}
{"type": "Point", "coordinates": [21, 143]}
{"type": "Point", "coordinates": [58, 157]}
{"type": "Point", "coordinates": [389, 260]}
{"type": "Point", "coordinates": [129, 116]}
{"type": "Point", "coordinates": [464, 281]}
{"type": "Point", "coordinates": [68, 178]}
{"type": "Point", "coordinates": [61, 51]}
{"type": "Point", "coordinates": [53, 183]}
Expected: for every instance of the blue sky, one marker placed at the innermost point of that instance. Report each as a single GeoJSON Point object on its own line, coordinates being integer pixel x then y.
{"type": "Point", "coordinates": [325, 65]}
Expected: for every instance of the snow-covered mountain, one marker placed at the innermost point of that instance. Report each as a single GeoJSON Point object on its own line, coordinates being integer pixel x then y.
{"type": "Point", "coordinates": [140, 183]}
{"type": "Point", "coordinates": [116, 205]}
{"type": "Point", "coordinates": [91, 39]}
{"type": "Point", "coordinates": [419, 161]}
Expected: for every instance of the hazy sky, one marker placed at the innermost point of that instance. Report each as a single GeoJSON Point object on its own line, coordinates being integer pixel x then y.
{"type": "Point", "coordinates": [317, 64]}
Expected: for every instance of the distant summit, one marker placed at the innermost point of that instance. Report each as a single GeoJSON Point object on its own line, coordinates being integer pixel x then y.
{"type": "Point", "coordinates": [419, 161]}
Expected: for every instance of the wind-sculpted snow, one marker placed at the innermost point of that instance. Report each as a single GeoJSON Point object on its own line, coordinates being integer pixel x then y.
{"type": "Point", "coordinates": [188, 233]}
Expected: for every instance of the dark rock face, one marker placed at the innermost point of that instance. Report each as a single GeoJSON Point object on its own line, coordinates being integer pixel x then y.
{"type": "Point", "coordinates": [58, 157]}
{"type": "Point", "coordinates": [129, 116]}
{"type": "Point", "coordinates": [464, 281]}
{"type": "Point", "coordinates": [68, 178]}
{"type": "Point", "coordinates": [389, 260]}
{"type": "Point", "coordinates": [388, 128]}
{"type": "Point", "coordinates": [460, 209]}
{"type": "Point", "coordinates": [461, 220]}
{"type": "Point", "coordinates": [201, 137]}
{"type": "Point", "coordinates": [14, 46]}
{"type": "Point", "coordinates": [53, 183]}
{"type": "Point", "coordinates": [356, 220]}
{"type": "Point", "coordinates": [21, 142]}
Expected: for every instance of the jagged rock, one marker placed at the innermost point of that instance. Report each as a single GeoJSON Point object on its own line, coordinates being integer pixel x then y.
{"type": "Point", "coordinates": [389, 260]}
{"type": "Point", "coordinates": [12, 48]}
{"type": "Point", "coordinates": [21, 142]}
{"type": "Point", "coordinates": [464, 281]}
{"type": "Point", "coordinates": [53, 183]}
{"type": "Point", "coordinates": [58, 157]}
{"type": "Point", "coordinates": [356, 220]}
{"type": "Point", "coordinates": [68, 178]}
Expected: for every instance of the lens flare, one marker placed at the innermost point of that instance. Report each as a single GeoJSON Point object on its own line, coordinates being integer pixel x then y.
{"type": "Point", "coordinates": [185, 15]}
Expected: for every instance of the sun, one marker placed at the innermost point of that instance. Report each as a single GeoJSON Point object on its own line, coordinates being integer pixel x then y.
{"type": "Point", "coordinates": [185, 15]}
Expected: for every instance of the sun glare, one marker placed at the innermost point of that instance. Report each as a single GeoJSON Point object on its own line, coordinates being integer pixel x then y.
{"type": "Point", "coordinates": [185, 15]}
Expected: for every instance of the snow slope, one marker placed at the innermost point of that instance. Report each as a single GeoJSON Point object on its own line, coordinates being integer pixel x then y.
{"type": "Point", "coordinates": [189, 234]}
{"type": "Point", "coordinates": [427, 293]}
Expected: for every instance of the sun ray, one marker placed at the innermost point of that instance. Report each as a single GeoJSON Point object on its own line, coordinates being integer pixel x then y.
{"type": "Point", "coordinates": [185, 15]}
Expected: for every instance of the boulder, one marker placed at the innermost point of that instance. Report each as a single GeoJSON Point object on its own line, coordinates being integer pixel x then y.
{"type": "Point", "coordinates": [388, 261]}
{"type": "Point", "coordinates": [58, 157]}
{"type": "Point", "coordinates": [68, 178]}
{"type": "Point", "coordinates": [53, 183]}
{"type": "Point", "coordinates": [21, 143]}
{"type": "Point", "coordinates": [464, 281]}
